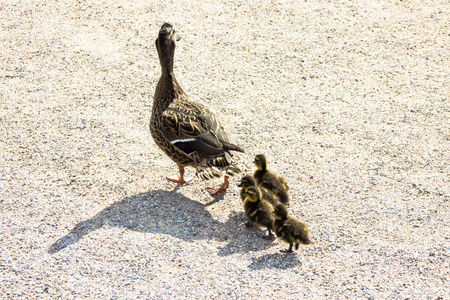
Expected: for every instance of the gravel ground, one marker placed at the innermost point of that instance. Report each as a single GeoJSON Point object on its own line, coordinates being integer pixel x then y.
{"type": "Point", "coordinates": [348, 99]}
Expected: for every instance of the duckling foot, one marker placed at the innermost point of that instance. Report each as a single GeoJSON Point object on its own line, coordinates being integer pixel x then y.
{"type": "Point", "coordinates": [286, 251]}
{"type": "Point", "coordinates": [223, 187]}
{"type": "Point", "coordinates": [270, 236]}
{"type": "Point", "coordinates": [248, 224]}
{"type": "Point", "coordinates": [180, 178]}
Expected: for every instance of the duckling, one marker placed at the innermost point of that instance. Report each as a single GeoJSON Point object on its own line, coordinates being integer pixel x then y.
{"type": "Point", "coordinates": [290, 230]}
{"type": "Point", "coordinates": [258, 210]}
{"type": "Point", "coordinates": [187, 132]}
{"type": "Point", "coordinates": [270, 180]}
{"type": "Point", "coordinates": [248, 181]}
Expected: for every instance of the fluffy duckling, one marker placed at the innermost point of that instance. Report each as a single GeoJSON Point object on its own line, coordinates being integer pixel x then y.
{"type": "Point", "coordinates": [270, 180]}
{"type": "Point", "coordinates": [290, 230]}
{"type": "Point", "coordinates": [248, 181]}
{"type": "Point", "coordinates": [258, 210]}
{"type": "Point", "coordinates": [188, 132]}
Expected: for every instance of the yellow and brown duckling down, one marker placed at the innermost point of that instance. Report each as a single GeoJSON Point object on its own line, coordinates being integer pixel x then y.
{"type": "Point", "coordinates": [270, 180]}
{"type": "Point", "coordinates": [248, 181]}
{"type": "Point", "coordinates": [290, 230]}
{"type": "Point", "coordinates": [258, 210]}
{"type": "Point", "coordinates": [187, 132]}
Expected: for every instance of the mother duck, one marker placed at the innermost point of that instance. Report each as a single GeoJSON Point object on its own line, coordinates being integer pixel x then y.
{"type": "Point", "coordinates": [187, 131]}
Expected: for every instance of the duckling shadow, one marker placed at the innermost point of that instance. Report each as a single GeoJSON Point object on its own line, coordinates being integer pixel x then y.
{"type": "Point", "coordinates": [157, 211]}
{"type": "Point", "coordinates": [275, 261]}
{"type": "Point", "coordinates": [242, 239]}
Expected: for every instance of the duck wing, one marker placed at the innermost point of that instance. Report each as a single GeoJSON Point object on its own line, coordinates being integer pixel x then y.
{"type": "Point", "coordinates": [192, 128]}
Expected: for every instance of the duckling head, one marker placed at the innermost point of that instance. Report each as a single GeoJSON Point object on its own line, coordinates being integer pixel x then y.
{"type": "Point", "coordinates": [261, 162]}
{"type": "Point", "coordinates": [280, 212]}
{"type": "Point", "coordinates": [253, 194]}
{"type": "Point", "coordinates": [165, 44]}
{"type": "Point", "coordinates": [247, 181]}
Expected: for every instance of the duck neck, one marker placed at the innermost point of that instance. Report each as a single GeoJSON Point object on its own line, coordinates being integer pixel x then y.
{"type": "Point", "coordinates": [264, 166]}
{"type": "Point", "coordinates": [166, 64]}
{"type": "Point", "coordinates": [166, 56]}
{"type": "Point", "coordinates": [167, 91]}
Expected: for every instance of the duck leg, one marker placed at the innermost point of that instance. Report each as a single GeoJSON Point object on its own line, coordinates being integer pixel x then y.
{"type": "Point", "coordinates": [288, 250]}
{"type": "Point", "coordinates": [223, 187]}
{"type": "Point", "coordinates": [180, 176]}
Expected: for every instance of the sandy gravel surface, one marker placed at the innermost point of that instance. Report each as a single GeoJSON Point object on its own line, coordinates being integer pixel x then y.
{"type": "Point", "coordinates": [349, 100]}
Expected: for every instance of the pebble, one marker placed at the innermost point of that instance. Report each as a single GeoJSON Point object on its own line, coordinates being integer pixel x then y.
{"type": "Point", "coordinates": [344, 101]}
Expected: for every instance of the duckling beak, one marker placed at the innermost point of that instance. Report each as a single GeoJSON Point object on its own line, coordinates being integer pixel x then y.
{"type": "Point", "coordinates": [178, 36]}
{"type": "Point", "coordinates": [239, 184]}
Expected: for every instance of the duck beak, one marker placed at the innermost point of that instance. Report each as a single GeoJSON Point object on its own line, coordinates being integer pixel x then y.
{"type": "Point", "coordinates": [178, 36]}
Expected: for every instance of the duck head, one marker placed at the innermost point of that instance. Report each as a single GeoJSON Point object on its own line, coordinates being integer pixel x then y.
{"type": "Point", "coordinates": [253, 194]}
{"type": "Point", "coordinates": [261, 162]}
{"type": "Point", "coordinates": [247, 181]}
{"type": "Point", "coordinates": [165, 44]}
{"type": "Point", "coordinates": [280, 212]}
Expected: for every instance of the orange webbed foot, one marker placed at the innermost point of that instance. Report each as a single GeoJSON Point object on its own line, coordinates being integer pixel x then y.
{"type": "Point", "coordinates": [177, 178]}
{"type": "Point", "coordinates": [223, 187]}
{"type": "Point", "coordinates": [180, 178]}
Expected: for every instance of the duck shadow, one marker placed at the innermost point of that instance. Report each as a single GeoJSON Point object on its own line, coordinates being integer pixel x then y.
{"type": "Point", "coordinates": [171, 213]}
{"type": "Point", "coordinates": [158, 211]}
{"type": "Point", "coordinates": [275, 261]}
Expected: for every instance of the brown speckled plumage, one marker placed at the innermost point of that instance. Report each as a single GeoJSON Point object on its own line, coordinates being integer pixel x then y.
{"type": "Point", "coordinates": [186, 131]}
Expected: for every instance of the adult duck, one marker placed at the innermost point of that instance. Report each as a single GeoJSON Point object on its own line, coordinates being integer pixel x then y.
{"type": "Point", "coordinates": [187, 132]}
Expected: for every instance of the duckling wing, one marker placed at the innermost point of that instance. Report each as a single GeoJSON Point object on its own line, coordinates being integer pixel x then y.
{"type": "Point", "coordinates": [299, 231]}
{"type": "Point", "coordinates": [280, 229]}
{"type": "Point", "coordinates": [269, 196]}
{"type": "Point", "coordinates": [271, 181]}
{"type": "Point", "coordinates": [192, 128]}
{"type": "Point", "coordinates": [283, 182]}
